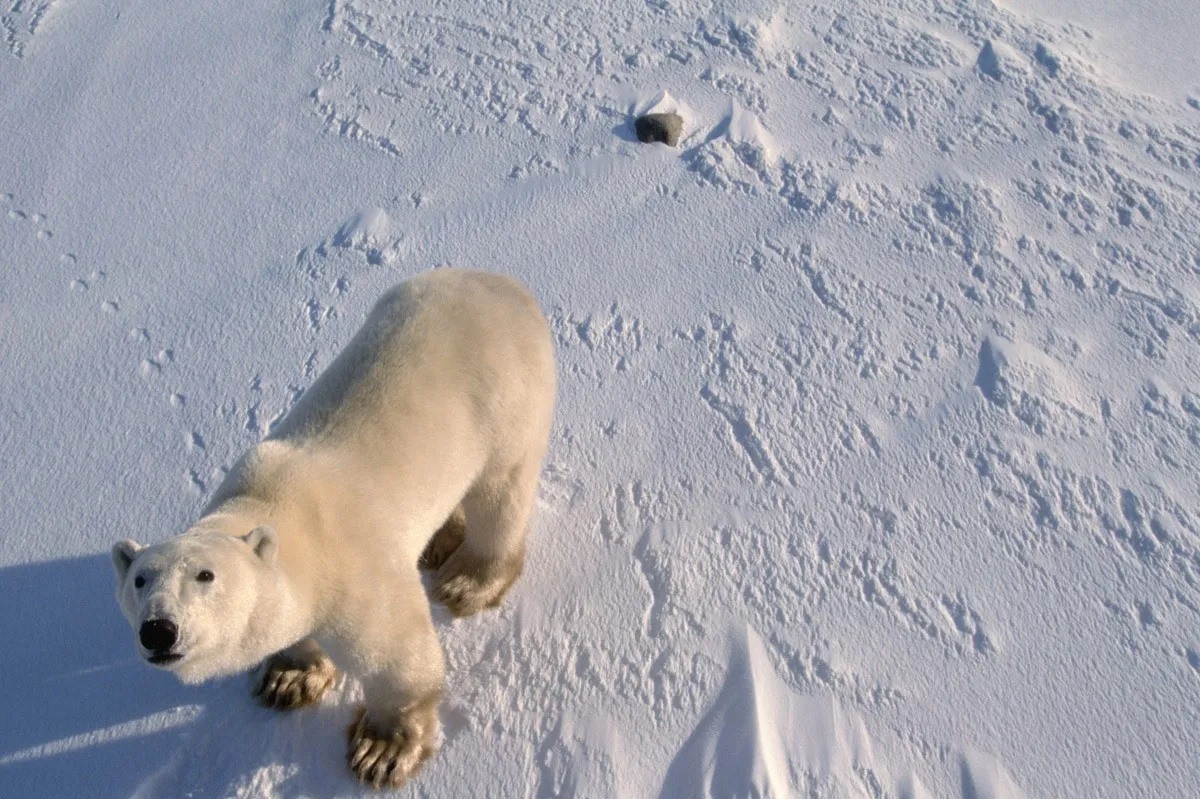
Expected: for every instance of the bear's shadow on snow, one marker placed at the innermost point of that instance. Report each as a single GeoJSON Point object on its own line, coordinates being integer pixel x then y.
{"type": "Point", "coordinates": [76, 697]}
{"type": "Point", "coordinates": [74, 688]}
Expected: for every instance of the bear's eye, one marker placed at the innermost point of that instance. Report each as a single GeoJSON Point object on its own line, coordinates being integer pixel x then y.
{"type": "Point", "coordinates": [205, 576]}
{"type": "Point", "coordinates": [139, 581]}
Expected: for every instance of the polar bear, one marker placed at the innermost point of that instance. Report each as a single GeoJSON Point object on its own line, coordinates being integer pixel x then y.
{"type": "Point", "coordinates": [420, 446]}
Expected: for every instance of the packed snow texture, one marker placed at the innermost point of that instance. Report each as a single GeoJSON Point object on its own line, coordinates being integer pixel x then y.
{"type": "Point", "coordinates": [875, 470]}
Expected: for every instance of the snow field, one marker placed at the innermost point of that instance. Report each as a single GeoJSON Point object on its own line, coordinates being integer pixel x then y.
{"type": "Point", "coordinates": [875, 465]}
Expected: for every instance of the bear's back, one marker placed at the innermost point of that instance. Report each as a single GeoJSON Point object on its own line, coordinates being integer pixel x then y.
{"type": "Point", "coordinates": [476, 341]}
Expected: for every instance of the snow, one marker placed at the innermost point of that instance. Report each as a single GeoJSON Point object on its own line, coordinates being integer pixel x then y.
{"type": "Point", "coordinates": [1150, 46]}
{"type": "Point", "coordinates": [875, 463]}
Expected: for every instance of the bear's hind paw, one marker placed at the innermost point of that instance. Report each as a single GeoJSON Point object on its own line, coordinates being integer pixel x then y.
{"type": "Point", "coordinates": [464, 595]}
{"type": "Point", "coordinates": [444, 542]}
{"type": "Point", "coordinates": [288, 685]}
{"type": "Point", "coordinates": [466, 585]}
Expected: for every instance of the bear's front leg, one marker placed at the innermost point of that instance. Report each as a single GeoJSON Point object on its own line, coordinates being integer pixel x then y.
{"type": "Point", "coordinates": [298, 676]}
{"type": "Point", "coordinates": [400, 662]}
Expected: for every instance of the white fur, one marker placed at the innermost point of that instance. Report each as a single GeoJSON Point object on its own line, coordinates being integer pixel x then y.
{"type": "Point", "coordinates": [224, 625]}
{"type": "Point", "coordinates": [442, 399]}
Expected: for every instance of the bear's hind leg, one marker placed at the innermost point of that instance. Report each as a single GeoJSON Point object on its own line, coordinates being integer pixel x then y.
{"type": "Point", "coordinates": [480, 571]}
{"type": "Point", "coordinates": [294, 678]}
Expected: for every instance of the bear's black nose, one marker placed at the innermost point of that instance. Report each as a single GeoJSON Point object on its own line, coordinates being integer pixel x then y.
{"type": "Point", "coordinates": [158, 635]}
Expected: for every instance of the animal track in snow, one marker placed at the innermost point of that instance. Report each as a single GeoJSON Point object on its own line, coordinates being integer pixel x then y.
{"type": "Point", "coordinates": [948, 621]}
{"type": "Point", "coordinates": [820, 573]}
{"type": "Point", "coordinates": [197, 482]}
{"type": "Point", "coordinates": [609, 337]}
{"type": "Point", "coordinates": [316, 313]}
{"type": "Point", "coordinates": [489, 74]}
{"type": "Point", "coordinates": [326, 273]}
{"type": "Point", "coordinates": [811, 672]}
{"type": "Point", "coordinates": [758, 386]}
{"type": "Point", "coordinates": [639, 515]}
{"type": "Point", "coordinates": [633, 508]}
{"type": "Point", "coordinates": [558, 489]}
{"type": "Point", "coordinates": [36, 221]}
{"type": "Point", "coordinates": [22, 20]}
{"type": "Point", "coordinates": [153, 366]}
{"type": "Point", "coordinates": [968, 623]}
{"type": "Point", "coordinates": [366, 235]}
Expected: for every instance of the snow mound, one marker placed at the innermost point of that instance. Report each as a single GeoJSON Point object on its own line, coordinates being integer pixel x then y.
{"type": "Point", "coordinates": [1027, 383]}
{"type": "Point", "coordinates": [761, 738]}
{"type": "Point", "coordinates": [369, 232]}
{"type": "Point", "coordinates": [739, 155]}
{"type": "Point", "coordinates": [996, 60]}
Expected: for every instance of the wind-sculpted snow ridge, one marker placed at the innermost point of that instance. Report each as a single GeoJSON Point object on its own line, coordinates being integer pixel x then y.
{"type": "Point", "coordinates": [890, 369]}
{"type": "Point", "coordinates": [760, 738]}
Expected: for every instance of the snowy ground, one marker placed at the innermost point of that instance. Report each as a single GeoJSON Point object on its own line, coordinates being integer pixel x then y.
{"type": "Point", "coordinates": [875, 466]}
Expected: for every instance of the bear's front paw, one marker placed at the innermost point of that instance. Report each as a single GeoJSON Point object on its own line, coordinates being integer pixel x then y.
{"type": "Point", "coordinates": [288, 683]}
{"type": "Point", "coordinates": [389, 760]}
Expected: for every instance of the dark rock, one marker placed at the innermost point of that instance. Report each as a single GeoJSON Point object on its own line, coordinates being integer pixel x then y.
{"type": "Point", "coordinates": [663, 128]}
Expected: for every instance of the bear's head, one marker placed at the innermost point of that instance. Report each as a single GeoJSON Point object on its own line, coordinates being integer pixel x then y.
{"type": "Point", "coordinates": [193, 600]}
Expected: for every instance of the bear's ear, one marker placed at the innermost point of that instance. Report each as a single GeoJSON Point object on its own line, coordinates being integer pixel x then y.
{"type": "Point", "coordinates": [123, 553]}
{"type": "Point", "coordinates": [264, 541]}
